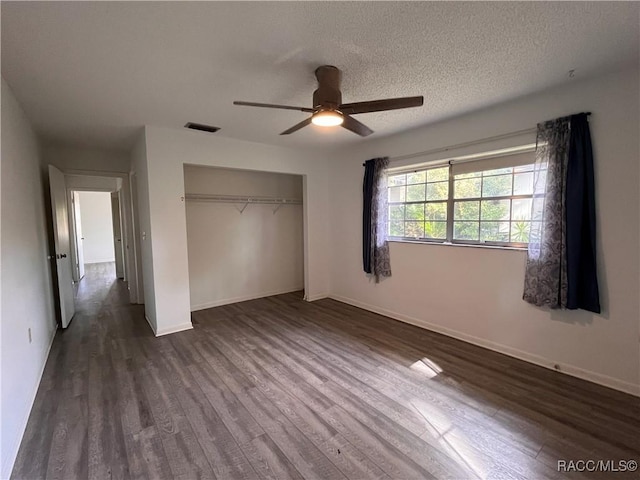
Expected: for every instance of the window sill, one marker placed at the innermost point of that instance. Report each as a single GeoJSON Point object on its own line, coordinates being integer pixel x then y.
{"type": "Point", "coordinates": [464, 245]}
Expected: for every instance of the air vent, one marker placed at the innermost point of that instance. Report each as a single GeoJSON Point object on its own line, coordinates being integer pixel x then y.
{"type": "Point", "coordinates": [201, 127]}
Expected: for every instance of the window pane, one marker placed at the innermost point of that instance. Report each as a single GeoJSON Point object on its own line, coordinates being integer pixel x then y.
{"type": "Point", "coordinates": [465, 231]}
{"type": "Point", "coordinates": [523, 168]}
{"type": "Point", "coordinates": [396, 180]}
{"type": "Point", "coordinates": [494, 231]}
{"type": "Point", "coordinates": [414, 229]}
{"type": "Point", "coordinates": [415, 193]}
{"type": "Point", "coordinates": [495, 209]}
{"type": "Point", "coordinates": [437, 191]}
{"type": "Point", "coordinates": [396, 229]}
{"type": "Point", "coordinates": [537, 208]}
{"type": "Point", "coordinates": [467, 188]}
{"type": "Point", "coordinates": [436, 211]}
{"type": "Point", "coordinates": [438, 174]}
{"type": "Point", "coordinates": [396, 212]}
{"type": "Point", "coordinates": [419, 204]}
{"type": "Point", "coordinates": [462, 176]}
{"type": "Point", "coordinates": [416, 177]}
{"type": "Point", "coordinates": [497, 171]}
{"type": "Point", "coordinates": [540, 180]}
{"type": "Point", "coordinates": [523, 183]}
{"type": "Point", "coordinates": [435, 230]}
{"type": "Point", "coordinates": [466, 210]}
{"type": "Point", "coordinates": [535, 232]}
{"type": "Point", "coordinates": [498, 186]}
{"type": "Point", "coordinates": [521, 209]}
{"type": "Point", "coordinates": [415, 211]}
{"type": "Point", "coordinates": [520, 231]}
{"type": "Point", "coordinates": [396, 194]}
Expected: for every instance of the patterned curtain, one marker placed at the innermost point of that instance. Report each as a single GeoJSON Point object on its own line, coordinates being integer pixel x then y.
{"type": "Point", "coordinates": [375, 248]}
{"type": "Point", "coordinates": [563, 173]}
{"type": "Point", "coordinates": [545, 281]}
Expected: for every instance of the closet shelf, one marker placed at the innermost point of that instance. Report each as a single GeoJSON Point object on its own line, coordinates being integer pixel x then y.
{"type": "Point", "coordinates": [200, 197]}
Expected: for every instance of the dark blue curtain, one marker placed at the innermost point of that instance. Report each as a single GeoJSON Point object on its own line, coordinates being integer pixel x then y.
{"type": "Point", "coordinates": [375, 249]}
{"type": "Point", "coordinates": [582, 279]}
{"type": "Point", "coordinates": [367, 196]}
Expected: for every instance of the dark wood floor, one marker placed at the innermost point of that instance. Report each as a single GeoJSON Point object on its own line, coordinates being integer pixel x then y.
{"type": "Point", "coordinates": [280, 388]}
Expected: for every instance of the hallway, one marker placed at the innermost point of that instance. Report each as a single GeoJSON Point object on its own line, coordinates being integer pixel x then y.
{"type": "Point", "coordinates": [98, 288]}
{"type": "Point", "coordinates": [75, 425]}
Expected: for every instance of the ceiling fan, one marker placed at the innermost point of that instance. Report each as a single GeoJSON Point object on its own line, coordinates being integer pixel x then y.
{"type": "Point", "coordinates": [328, 109]}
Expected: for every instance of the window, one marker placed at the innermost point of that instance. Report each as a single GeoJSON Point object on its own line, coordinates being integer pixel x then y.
{"type": "Point", "coordinates": [484, 201]}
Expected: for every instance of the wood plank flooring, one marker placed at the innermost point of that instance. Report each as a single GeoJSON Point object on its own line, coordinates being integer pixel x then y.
{"type": "Point", "coordinates": [279, 388]}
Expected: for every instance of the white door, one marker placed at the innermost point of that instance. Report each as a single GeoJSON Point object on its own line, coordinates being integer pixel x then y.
{"type": "Point", "coordinates": [79, 237]}
{"type": "Point", "coordinates": [137, 251]}
{"type": "Point", "coordinates": [117, 234]}
{"type": "Point", "coordinates": [62, 244]}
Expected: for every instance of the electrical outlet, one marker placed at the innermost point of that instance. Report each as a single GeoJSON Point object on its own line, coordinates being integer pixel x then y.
{"type": "Point", "coordinates": [29, 335]}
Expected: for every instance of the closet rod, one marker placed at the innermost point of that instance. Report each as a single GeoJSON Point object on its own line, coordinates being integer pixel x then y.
{"type": "Point", "coordinates": [467, 144]}
{"type": "Point", "coordinates": [201, 197]}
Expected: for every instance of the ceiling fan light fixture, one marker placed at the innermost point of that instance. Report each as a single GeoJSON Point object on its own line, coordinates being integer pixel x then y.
{"type": "Point", "coordinates": [328, 109]}
{"type": "Point", "coordinates": [327, 118]}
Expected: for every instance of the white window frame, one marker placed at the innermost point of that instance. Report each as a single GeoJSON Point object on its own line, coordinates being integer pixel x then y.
{"type": "Point", "coordinates": [482, 158]}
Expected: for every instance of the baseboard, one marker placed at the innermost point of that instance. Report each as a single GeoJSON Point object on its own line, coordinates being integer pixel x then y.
{"type": "Point", "coordinates": [9, 460]}
{"type": "Point", "coordinates": [243, 298]}
{"type": "Point", "coordinates": [166, 331]}
{"type": "Point", "coordinates": [153, 329]}
{"type": "Point", "coordinates": [567, 369]}
{"type": "Point", "coordinates": [319, 296]}
{"type": "Point", "coordinates": [174, 329]}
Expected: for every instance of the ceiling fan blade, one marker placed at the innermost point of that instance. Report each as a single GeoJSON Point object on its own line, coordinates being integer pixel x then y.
{"type": "Point", "coordinates": [381, 105]}
{"type": "Point", "coordinates": [269, 105]}
{"type": "Point", "coordinates": [297, 126]}
{"type": "Point", "coordinates": [355, 126]}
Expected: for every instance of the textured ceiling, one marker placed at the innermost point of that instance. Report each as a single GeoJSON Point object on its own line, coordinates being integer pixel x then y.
{"type": "Point", "coordinates": [92, 74]}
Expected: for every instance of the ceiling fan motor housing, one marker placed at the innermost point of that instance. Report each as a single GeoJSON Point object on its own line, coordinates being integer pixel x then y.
{"type": "Point", "coordinates": [328, 95]}
{"type": "Point", "coordinates": [328, 109]}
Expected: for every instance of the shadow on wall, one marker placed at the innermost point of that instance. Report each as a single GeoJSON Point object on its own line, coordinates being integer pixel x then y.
{"type": "Point", "coordinates": [574, 317]}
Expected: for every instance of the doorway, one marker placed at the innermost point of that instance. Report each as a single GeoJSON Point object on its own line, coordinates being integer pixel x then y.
{"type": "Point", "coordinates": [98, 232]}
{"type": "Point", "coordinates": [70, 234]}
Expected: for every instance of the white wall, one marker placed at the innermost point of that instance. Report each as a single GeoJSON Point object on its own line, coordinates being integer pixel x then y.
{"type": "Point", "coordinates": [92, 183]}
{"type": "Point", "coordinates": [474, 293]}
{"type": "Point", "coordinates": [167, 151]}
{"type": "Point", "coordinates": [97, 226]}
{"type": "Point", "coordinates": [27, 298]}
{"type": "Point", "coordinates": [93, 160]}
{"type": "Point", "coordinates": [237, 256]}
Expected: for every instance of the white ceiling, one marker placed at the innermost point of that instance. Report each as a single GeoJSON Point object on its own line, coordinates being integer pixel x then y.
{"type": "Point", "coordinates": [91, 74]}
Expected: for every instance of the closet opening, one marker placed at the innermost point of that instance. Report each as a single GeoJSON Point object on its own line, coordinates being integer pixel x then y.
{"type": "Point", "coordinates": [244, 234]}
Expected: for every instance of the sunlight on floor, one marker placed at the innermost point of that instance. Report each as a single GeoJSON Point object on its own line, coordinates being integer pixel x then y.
{"type": "Point", "coordinates": [450, 439]}
{"type": "Point", "coordinates": [426, 366]}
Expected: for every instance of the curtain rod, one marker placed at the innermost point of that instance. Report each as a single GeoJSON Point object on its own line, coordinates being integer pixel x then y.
{"type": "Point", "coordinates": [467, 144]}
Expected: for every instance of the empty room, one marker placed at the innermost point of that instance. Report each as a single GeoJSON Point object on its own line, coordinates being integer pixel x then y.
{"type": "Point", "coordinates": [332, 240]}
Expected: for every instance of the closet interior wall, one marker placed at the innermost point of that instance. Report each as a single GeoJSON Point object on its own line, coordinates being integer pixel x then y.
{"type": "Point", "coordinates": [240, 251]}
